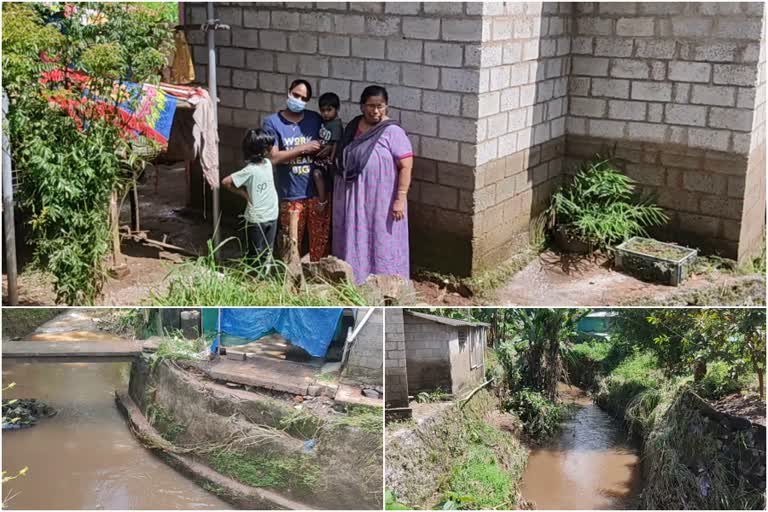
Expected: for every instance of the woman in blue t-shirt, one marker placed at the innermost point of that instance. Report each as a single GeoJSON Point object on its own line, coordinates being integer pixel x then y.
{"type": "Point", "coordinates": [297, 133]}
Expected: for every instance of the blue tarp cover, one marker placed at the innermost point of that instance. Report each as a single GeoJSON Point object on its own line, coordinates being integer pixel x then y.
{"type": "Point", "coordinates": [309, 328]}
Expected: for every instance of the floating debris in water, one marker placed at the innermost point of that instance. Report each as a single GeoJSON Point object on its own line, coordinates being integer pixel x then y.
{"type": "Point", "coordinates": [24, 412]}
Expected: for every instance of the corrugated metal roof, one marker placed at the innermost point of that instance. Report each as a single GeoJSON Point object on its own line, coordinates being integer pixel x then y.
{"type": "Point", "coordinates": [446, 321]}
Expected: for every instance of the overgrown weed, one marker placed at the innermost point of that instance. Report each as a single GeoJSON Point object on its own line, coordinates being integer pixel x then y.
{"type": "Point", "coordinates": [205, 282]}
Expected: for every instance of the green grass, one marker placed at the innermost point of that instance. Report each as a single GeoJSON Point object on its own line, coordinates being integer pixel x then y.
{"type": "Point", "coordinates": [270, 470]}
{"type": "Point", "coordinates": [160, 418]}
{"type": "Point", "coordinates": [428, 397]}
{"type": "Point", "coordinates": [204, 282]}
{"type": "Point", "coordinates": [636, 374]}
{"type": "Point", "coordinates": [175, 347]}
{"type": "Point", "coordinates": [683, 455]}
{"type": "Point", "coordinates": [541, 418]}
{"type": "Point", "coordinates": [479, 482]}
{"type": "Point", "coordinates": [488, 471]}
{"type": "Point", "coordinates": [369, 419]}
{"type": "Point", "coordinates": [19, 322]}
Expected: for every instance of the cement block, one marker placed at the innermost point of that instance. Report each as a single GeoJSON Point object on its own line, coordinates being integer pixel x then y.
{"type": "Point", "coordinates": [630, 68]}
{"type": "Point", "coordinates": [613, 47]}
{"type": "Point", "coordinates": [334, 45]}
{"type": "Point", "coordinates": [682, 71]}
{"type": "Point", "coordinates": [267, 39]}
{"type": "Point", "coordinates": [421, 28]}
{"type": "Point", "coordinates": [442, 102]}
{"type": "Point", "coordinates": [349, 24]}
{"type": "Point", "coordinates": [708, 139]}
{"type": "Point", "coordinates": [651, 91]}
{"type": "Point", "coordinates": [735, 74]}
{"type": "Point", "coordinates": [462, 29]}
{"type": "Point", "coordinates": [589, 66]}
{"type": "Point", "coordinates": [425, 77]}
{"type": "Point", "coordinates": [382, 26]}
{"type": "Point", "coordinates": [689, 115]}
{"type": "Point", "coordinates": [459, 80]}
{"type": "Point", "coordinates": [382, 72]}
{"type": "Point", "coordinates": [627, 110]}
{"type": "Point", "coordinates": [713, 95]}
{"type": "Point", "coordinates": [405, 50]}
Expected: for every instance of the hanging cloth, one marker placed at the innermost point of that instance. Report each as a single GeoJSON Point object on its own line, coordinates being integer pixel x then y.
{"type": "Point", "coordinates": [182, 69]}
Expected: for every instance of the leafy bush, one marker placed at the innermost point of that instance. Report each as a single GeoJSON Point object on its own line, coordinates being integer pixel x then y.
{"type": "Point", "coordinates": [584, 362]}
{"type": "Point", "coordinates": [636, 374]}
{"type": "Point", "coordinates": [72, 154]}
{"type": "Point", "coordinates": [598, 206]}
{"type": "Point", "coordinates": [541, 418]}
{"type": "Point", "coordinates": [479, 483]}
{"type": "Point", "coordinates": [719, 381]}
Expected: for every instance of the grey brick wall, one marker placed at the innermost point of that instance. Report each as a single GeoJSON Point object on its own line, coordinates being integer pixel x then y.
{"type": "Point", "coordinates": [672, 73]}
{"type": "Point", "coordinates": [428, 355]}
{"type": "Point", "coordinates": [499, 99]}
{"type": "Point", "coordinates": [675, 84]}
{"type": "Point", "coordinates": [366, 357]}
{"type": "Point", "coordinates": [396, 383]}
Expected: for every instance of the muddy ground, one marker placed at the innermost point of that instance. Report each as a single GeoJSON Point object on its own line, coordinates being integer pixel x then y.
{"type": "Point", "coordinates": [551, 279]}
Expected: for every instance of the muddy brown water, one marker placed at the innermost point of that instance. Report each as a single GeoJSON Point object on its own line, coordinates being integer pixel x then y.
{"type": "Point", "coordinates": [85, 457]}
{"type": "Point", "coordinates": [591, 464]}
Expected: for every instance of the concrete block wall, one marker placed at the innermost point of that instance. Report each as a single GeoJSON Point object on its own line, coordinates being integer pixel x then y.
{"type": "Point", "coordinates": [396, 383]}
{"type": "Point", "coordinates": [421, 52]}
{"type": "Point", "coordinates": [522, 107]}
{"type": "Point", "coordinates": [366, 359]}
{"type": "Point", "coordinates": [500, 98]}
{"type": "Point", "coordinates": [672, 86]}
{"type": "Point", "coordinates": [427, 350]}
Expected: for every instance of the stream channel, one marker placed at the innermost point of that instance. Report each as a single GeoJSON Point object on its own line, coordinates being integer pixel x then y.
{"type": "Point", "coordinates": [591, 463]}
{"type": "Point", "coordinates": [86, 457]}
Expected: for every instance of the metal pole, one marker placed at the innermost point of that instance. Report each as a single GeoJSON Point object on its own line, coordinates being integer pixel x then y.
{"type": "Point", "coordinates": [8, 220]}
{"type": "Point", "coordinates": [215, 99]}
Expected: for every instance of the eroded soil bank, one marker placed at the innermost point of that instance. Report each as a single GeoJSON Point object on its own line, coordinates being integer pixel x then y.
{"type": "Point", "coordinates": [261, 440]}
{"type": "Point", "coordinates": [85, 457]}
{"type": "Point", "coordinates": [470, 455]}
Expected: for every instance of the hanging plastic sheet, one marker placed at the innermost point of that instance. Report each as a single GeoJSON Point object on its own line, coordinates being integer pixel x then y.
{"type": "Point", "coordinates": [309, 328]}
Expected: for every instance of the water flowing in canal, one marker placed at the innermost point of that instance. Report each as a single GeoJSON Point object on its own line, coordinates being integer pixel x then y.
{"type": "Point", "coordinates": [85, 457]}
{"type": "Point", "coordinates": [591, 464]}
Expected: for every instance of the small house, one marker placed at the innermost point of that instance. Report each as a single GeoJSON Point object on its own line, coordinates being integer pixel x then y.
{"type": "Point", "coordinates": [443, 353]}
{"type": "Point", "coordinates": [596, 323]}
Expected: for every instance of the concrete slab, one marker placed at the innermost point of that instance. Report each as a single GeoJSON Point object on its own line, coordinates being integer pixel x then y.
{"type": "Point", "coordinates": [561, 280]}
{"type": "Point", "coordinates": [117, 348]}
{"type": "Point", "coordinates": [352, 395]}
{"type": "Point", "coordinates": [262, 372]}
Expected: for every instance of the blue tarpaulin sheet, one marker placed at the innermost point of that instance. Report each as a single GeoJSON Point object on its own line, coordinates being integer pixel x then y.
{"type": "Point", "coordinates": [309, 328]}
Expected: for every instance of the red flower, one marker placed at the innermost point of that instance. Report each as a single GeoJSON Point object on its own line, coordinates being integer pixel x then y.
{"type": "Point", "coordinates": [69, 10]}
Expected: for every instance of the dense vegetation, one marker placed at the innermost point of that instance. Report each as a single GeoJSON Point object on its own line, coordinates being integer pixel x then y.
{"type": "Point", "coordinates": [64, 68]}
{"type": "Point", "coordinates": [654, 369]}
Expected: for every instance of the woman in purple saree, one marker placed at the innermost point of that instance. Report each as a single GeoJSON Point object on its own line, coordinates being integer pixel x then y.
{"type": "Point", "coordinates": [370, 207]}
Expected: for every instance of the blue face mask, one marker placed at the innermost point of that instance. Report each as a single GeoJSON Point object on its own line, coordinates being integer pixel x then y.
{"type": "Point", "coordinates": [295, 105]}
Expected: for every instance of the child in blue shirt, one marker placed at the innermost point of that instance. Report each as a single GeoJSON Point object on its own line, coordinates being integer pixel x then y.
{"type": "Point", "coordinates": [255, 183]}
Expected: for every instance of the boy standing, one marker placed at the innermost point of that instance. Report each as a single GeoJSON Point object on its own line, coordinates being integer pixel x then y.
{"type": "Point", "coordinates": [255, 183]}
